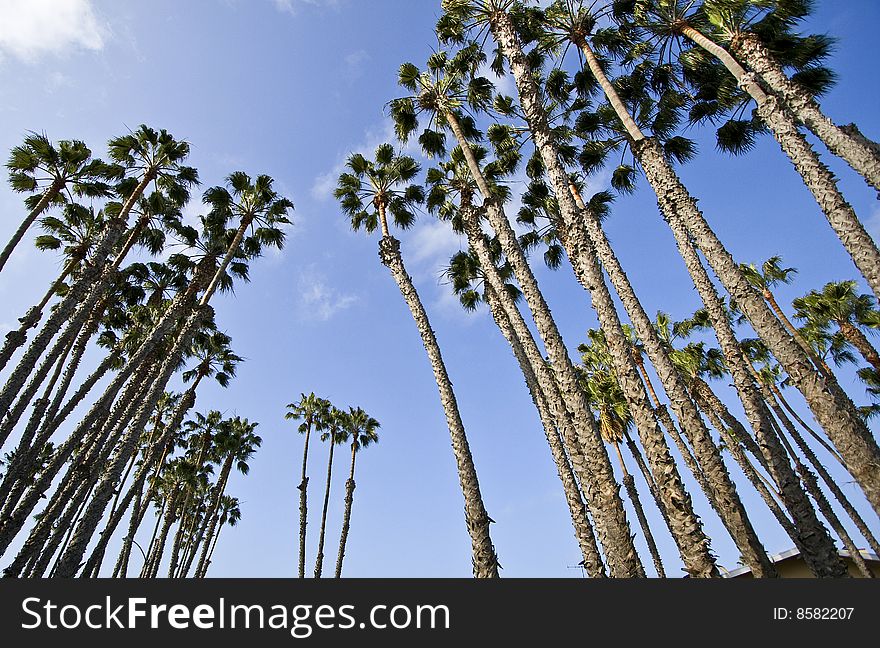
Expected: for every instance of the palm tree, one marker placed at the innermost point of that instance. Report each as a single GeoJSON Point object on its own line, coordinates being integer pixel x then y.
{"type": "Point", "coordinates": [39, 168]}
{"type": "Point", "coordinates": [839, 304]}
{"type": "Point", "coordinates": [362, 429]}
{"type": "Point", "coordinates": [368, 192]}
{"type": "Point", "coordinates": [335, 433]}
{"type": "Point", "coordinates": [313, 412]}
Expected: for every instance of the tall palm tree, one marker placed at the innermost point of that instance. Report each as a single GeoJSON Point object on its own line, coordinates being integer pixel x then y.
{"type": "Point", "coordinates": [368, 192]}
{"type": "Point", "coordinates": [45, 171]}
{"type": "Point", "coordinates": [362, 429]}
{"type": "Point", "coordinates": [313, 412]}
{"type": "Point", "coordinates": [335, 433]}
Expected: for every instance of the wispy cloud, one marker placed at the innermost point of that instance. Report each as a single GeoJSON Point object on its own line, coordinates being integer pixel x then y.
{"type": "Point", "coordinates": [316, 300]}
{"type": "Point", "coordinates": [30, 29]}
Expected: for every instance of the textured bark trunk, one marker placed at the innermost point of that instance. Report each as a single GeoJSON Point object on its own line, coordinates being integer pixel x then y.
{"type": "Point", "coordinates": [485, 561]}
{"type": "Point", "coordinates": [319, 559]}
{"type": "Point", "coordinates": [212, 514]}
{"type": "Point", "coordinates": [346, 516]}
{"type": "Point", "coordinates": [830, 483]}
{"type": "Point", "coordinates": [629, 483]}
{"type": "Point", "coordinates": [303, 504]}
{"type": "Point", "coordinates": [583, 529]}
{"type": "Point", "coordinates": [858, 339]}
{"type": "Point", "coordinates": [159, 547]}
{"type": "Point", "coordinates": [863, 158]}
{"type": "Point", "coordinates": [831, 407]}
{"type": "Point", "coordinates": [820, 364]}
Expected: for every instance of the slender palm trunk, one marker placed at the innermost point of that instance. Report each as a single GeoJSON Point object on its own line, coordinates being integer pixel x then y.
{"type": "Point", "coordinates": [485, 561]}
{"type": "Point", "coordinates": [829, 481]}
{"type": "Point", "coordinates": [319, 560]}
{"type": "Point", "coordinates": [303, 504]}
{"type": "Point", "coordinates": [213, 546]}
{"type": "Point", "coordinates": [213, 511]}
{"type": "Point", "coordinates": [858, 153]}
{"type": "Point", "coordinates": [860, 341]}
{"type": "Point", "coordinates": [818, 178]}
{"type": "Point", "coordinates": [819, 362]}
{"type": "Point", "coordinates": [346, 516]}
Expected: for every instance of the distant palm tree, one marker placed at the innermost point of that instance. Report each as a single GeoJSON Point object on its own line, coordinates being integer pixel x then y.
{"type": "Point", "coordinates": [362, 429]}
{"type": "Point", "coordinates": [313, 412]}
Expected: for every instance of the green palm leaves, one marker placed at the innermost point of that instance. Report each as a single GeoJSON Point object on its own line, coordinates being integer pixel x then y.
{"type": "Point", "coordinates": [372, 189]}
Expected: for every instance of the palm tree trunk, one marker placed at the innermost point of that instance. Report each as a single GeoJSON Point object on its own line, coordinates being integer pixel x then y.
{"type": "Point", "coordinates": [159, 547]}
{"type": "Point", "coordinates": [319, 560]}
{"type": "Point", "coordinates": [855, 151]}
{"type": "Point", "coordinates": [820, 364]}
{"type": "Point", "coordinates": [48, 196]}
{"type": "Point", "coordinates": [818, 178]}
{"type": "Point", "coordinates": [485, 561]}
{"type": "Point", "coordinates": [579, 515]}
{"type": "Point", "coordinates": [303, 504]}
{"type": "Point", "coordinates": [212, 513]}
{"type": "Point", "coordinates": [830, 405]}
{"type": "Point", "coordinates": [858, 339]}
{"type": "Point", "coordinates": [346, 516]}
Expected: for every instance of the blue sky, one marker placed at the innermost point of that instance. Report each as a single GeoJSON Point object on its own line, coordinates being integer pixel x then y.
{"type": "Point", "coordinates": [289, 88]}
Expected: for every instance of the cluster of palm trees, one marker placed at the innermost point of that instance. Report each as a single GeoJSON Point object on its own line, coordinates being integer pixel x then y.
{"type": "Point", "coordinates": [85, 449]}
{"type": "Point", "coordinates": [335, 427]}
{"type": "Point", "coordinates": [606, 88]}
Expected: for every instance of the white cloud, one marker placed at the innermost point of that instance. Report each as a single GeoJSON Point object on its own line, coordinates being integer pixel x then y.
{"type": "Point", "coordinates": [317, 301]}
{"type": "Point", "coordinates": [30, 29]}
